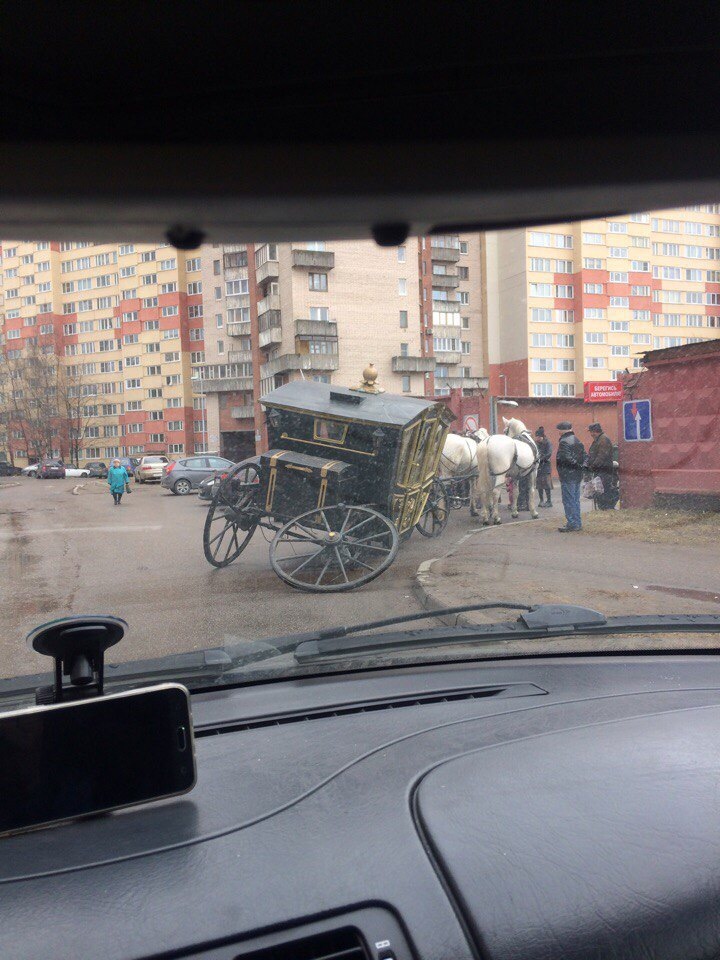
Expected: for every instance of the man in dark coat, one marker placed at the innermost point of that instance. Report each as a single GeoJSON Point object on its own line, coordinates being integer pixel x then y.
{"type": "Point", "coordinates": [600, 464]}
{"type": "Point", "coordinates": [544, 470]}
{"type": "Point", "coordinates": [569, 461]}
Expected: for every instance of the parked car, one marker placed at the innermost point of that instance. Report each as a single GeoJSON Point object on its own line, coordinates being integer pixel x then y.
{"type": "Point", "coordinates": [208, 486]}
{"type": "Point", "coordinates": [150, 468]}
{"type": "Point", "coordinates": [51, 468]}
{"type": "Point", "coordinates": [8, 470]}
{"type": "Point", "coordinates": [30, 470]}
{"type": "Point", "coordinates": [187, 474]}
{"type": "Point", "coordinates": [77, 472]}
{"type": "Point", "coordinates": [96, 468]}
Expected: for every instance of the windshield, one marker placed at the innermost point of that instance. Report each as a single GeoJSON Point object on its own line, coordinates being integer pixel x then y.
{"type": "Point", "coordinates": [525, 417]}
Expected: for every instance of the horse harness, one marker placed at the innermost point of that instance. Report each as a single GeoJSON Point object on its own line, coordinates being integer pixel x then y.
{"type": "Point", "coordinates": [471, 453]}
{"type": "Point", "coordinates": [527, 438]}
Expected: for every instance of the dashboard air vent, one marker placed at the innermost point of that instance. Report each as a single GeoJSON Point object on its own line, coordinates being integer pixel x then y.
{"type": "Point", "coordinates": [344, 944]}
{"type": "Point", "coordinates": [370, 706]}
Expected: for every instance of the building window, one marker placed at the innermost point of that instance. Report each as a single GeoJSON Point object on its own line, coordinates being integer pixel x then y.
{"type": "Point", "coordinates": [541, 340]}
{"type": "Point", "coordinates": [218, 320]}
{"type": "Point", "coordinates": [595, 362]}
{"type": "Point", "coordinates": [566, 389]}
{"type": "Point", "coordinates": [221, 346]}
{"type": "Point", "coordinates": [406, 384]}
{"type": "Point", "coordinates": [193, 264]}
{"type": "Point", "coordinates": [591, 337]}
{"type": "Point", "coordinates": [463, 247]}
{"type": "Point", "coordinates": [463, 272]}
{"type": "Point", "coordinates": [402, 287]}
{"type": "Point", "coordinates": [194, 288]}
{"type": "Point", "coordinates": [542, 365]}
{"type": "Point", "coordinates": [595, 288]}
{"type": "Point", "coordinates": [317, 281]}
{"type": "Point", "coordinates": [620, 326]}
{"type": "Point", "coordinates": [218, 293]}
{"type": "Point", "coordinates": [216, 267]}
{"type": "Point", "coordinates": [401, 252]}
{"type": "Point", "coordinates": [403, 319]}
{"type": "Point", "coordinates": [463, 297]}
{"type": "Point", "coordinates": [542, 389]}
{"type": "Point", "coordinates": [541, 315]}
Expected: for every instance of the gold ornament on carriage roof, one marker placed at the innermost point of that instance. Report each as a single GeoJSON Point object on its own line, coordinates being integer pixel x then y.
{"type": "Point", "coordinates": [368, 384]}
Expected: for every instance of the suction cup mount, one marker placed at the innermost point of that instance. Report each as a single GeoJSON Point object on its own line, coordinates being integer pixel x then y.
{"type": "Point", "coordinates": [77, 645]}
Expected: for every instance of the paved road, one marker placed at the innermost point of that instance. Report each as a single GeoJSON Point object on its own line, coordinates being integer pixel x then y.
{"type": "Point", "coordinates": [63, 553]}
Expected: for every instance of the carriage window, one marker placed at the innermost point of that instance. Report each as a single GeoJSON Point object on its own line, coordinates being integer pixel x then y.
{"type": "Point", "coordinates": [330, 430]}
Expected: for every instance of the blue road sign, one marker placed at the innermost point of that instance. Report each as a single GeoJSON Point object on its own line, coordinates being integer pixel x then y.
{"type": "Point", "coordinates": [637, 420]}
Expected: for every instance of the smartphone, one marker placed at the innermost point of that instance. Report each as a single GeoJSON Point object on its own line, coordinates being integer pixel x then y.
{"type": "Point", "coordinates": [76, 759]}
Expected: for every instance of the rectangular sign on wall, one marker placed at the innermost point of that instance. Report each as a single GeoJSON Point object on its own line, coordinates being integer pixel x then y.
{"type": "Point", "coordinates": [637, 420]}
{"type": "Point", "coordinates": [603, 391]}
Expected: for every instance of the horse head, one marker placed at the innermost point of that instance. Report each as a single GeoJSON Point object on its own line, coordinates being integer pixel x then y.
{"type": "Point", "coordinates": [480, 434]}
{"type": "Point", "coordinates": [514, 427]}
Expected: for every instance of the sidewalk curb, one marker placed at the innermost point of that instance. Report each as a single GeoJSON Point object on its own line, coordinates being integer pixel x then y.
{"type": "Point", "coordinates": [425, 579]}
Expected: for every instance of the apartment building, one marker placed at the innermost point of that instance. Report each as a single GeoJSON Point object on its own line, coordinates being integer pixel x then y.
{"type": "Point", "coordinates": [278, 312]}
{"type": "Point", "coordinates": [575, 303]}
{"type": "Point", "coordinates": [126, 322]}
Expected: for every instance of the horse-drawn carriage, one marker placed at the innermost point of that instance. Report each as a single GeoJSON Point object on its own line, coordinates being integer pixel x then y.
{"type": "Point", "coordinates": [347, 476]}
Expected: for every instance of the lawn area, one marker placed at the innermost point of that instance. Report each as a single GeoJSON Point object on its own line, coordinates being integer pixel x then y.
{"type": "Point", "coordinates": [654, 525]}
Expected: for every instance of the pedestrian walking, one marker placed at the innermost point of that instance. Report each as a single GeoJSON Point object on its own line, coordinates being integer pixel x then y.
{"type": "Point", "coordinates": [543, 481]}
{"type": "Point", "coordinates": [600, 463]}
{"type": "Point", "coordinates": [118, 480]}
{"type": "Point", "coordinates": [569, 461]}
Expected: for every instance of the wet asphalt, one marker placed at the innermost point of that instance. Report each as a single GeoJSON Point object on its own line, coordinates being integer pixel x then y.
{"type": "Point", "coordinates": [62, 553]}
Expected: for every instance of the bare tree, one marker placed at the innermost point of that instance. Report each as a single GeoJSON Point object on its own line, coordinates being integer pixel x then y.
{"type": "Point", "coordinates": [50, 402]}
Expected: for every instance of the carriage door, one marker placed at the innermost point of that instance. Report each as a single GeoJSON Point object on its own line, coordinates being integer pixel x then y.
{"type": "Point", "coordinates": [417, 464]}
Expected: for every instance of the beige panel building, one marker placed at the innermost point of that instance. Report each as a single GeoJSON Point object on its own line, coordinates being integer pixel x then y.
{"type": "Point", "coordinates": [574, 303]}
{"type": "Point", "coordinates": [279, 312]}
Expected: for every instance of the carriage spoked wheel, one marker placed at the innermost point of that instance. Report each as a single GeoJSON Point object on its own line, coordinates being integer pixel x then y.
{"type": "Point", "coordinates": [334, 548]}
{"type": "Point", "coordinates": [436, 513]}
{"type": "Point", "coordinates": [229, 524]}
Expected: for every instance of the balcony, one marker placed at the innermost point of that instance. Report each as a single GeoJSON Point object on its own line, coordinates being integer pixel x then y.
{"type": "Point", "coordinates": [299, 361]}
{"type": "Point", "coordinates": [223, 377]}
{"type": "Point", "coordinates": [242, 413]}
{"type": "Point", "coordinates": [270, 337]}
{"type": "Point", "coordinates": [238, 328]}
{"type": "Point", "coordinates": [270, 270]}
{"type": "Point", "coordinates": [313, 259]}
{"type": "Point", "coordinates": [462, 383]}
{"type": "Point", "coordinates": [271, 302]}
{"type": "Point", "coordinates": [413, 364]}
{"type": "Point", "coordinates": [446, 254]}
{"type": "Point", "coordinates": [445, 281]}
{"type": "Point", "coordinates": [304, 329]}
{"type": "Point", "coordinates": [227, 384]}
{"type": "Point", "coordinates": [239, 356]}
{"type": "Point", "coordinates": [448, 357]}
{"type": "Point", "coordinates": [446, 306]}
{"type": "Point", "coordinates": [452, 332]}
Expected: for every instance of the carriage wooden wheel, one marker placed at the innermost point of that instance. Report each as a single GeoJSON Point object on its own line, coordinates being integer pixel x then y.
{"type": "Point", "coordinates": [436, 513]}
{"type": "Point", "coordinates": [230, 522]}
{"type": "Point", "coordinates": [334, 548]}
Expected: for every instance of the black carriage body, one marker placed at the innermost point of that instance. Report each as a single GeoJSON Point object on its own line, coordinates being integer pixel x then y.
{"type": "Point", "coordinates": [378, 450]}
{"type": "Point", "coordinates": [293, 483]}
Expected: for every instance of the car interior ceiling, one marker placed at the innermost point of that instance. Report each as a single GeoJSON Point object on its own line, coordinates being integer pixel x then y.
{"type": "Point", "coordinates": [525, 808]}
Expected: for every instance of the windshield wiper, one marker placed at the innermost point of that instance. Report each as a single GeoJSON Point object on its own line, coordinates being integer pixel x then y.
{"type": "Point", "coordinates": [537, 622]}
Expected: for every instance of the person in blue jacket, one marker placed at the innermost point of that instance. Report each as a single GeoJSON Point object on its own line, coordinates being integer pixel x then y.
{"type": "Point", "coordinates": [117, 479]}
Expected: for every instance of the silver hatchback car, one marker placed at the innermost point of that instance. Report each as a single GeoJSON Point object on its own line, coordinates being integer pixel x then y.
{"type": "Point", "coordinates": [187, 474]}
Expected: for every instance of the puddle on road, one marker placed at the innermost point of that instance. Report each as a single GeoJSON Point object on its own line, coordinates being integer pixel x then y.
{"type": "Point", "coordinates": [707, 596]}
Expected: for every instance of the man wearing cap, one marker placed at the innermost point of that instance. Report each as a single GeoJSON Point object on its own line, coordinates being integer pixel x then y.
{"type": "Point", "coordinates": [569, 461]}
{"type": "Point", "coordinates": [600, 464]}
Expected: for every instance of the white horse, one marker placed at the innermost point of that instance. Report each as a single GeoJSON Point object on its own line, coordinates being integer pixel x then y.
{"type": "Point", "coordinates": [509, 454]}
{"type": "Point", "coordinates": [459, 459]}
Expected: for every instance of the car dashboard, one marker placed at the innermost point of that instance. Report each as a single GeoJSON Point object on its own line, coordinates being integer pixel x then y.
{"type": "Point", "coordinates": [529, 808]}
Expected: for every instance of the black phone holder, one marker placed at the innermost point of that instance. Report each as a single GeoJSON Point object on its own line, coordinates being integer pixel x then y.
{"type": "Point", "coordinates": [77, 645]}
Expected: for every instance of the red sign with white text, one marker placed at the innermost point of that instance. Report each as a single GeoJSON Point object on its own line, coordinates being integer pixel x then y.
{"type": "Point", "coordinates": [604, 391]}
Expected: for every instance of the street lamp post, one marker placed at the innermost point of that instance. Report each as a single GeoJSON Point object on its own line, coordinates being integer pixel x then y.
{"type": "Point", "coordinates": [496, 402]}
